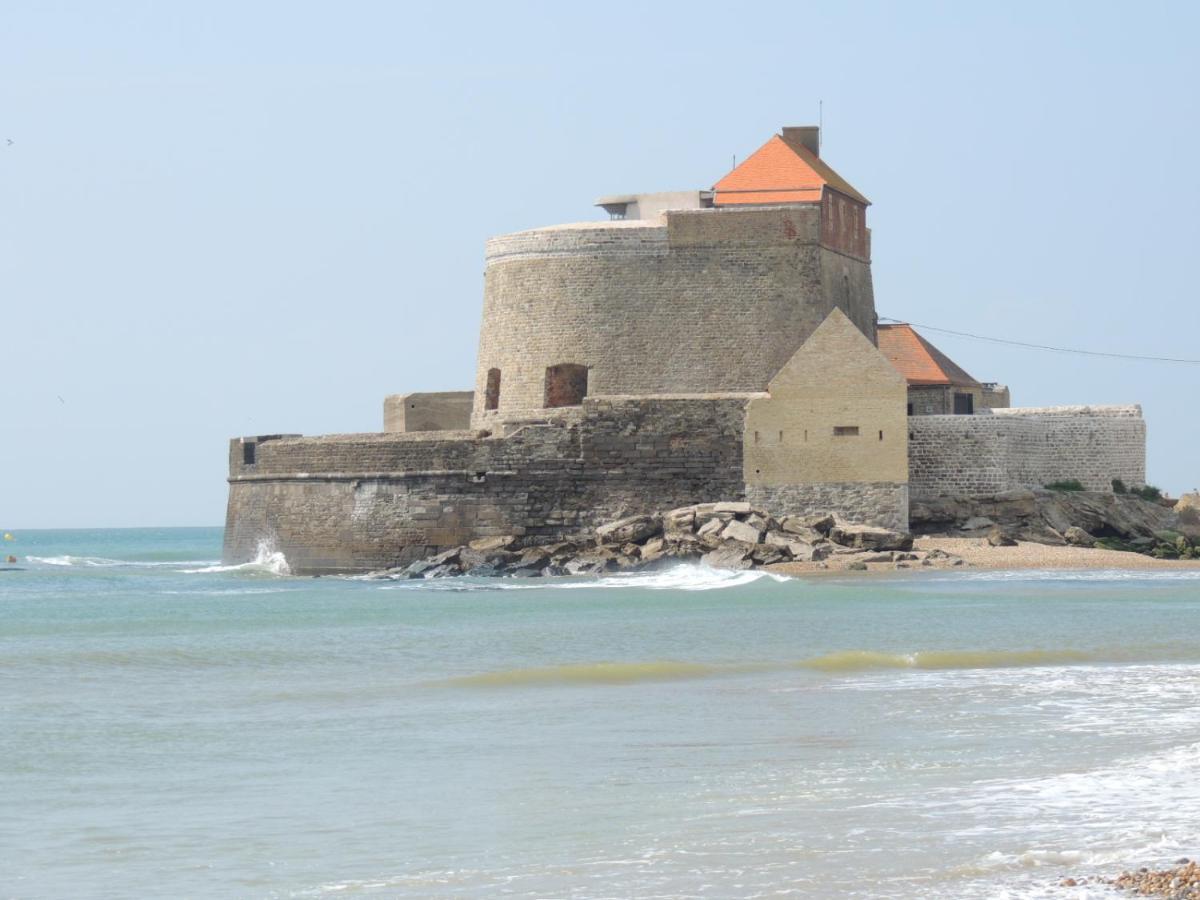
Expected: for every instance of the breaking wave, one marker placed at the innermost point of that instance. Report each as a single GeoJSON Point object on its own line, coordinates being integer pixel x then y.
{"type": "Point", "coordinates": [684, 577]}
{"type": "Point", "coordinates": [267, 561]}
{"type": "Point", "coordinates": [864, 660]}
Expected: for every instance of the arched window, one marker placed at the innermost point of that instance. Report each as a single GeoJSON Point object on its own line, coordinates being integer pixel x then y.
{"type": "Point", "coordinates": [566, 385]}
{"type": "Point", "coordinates": [491, 399]}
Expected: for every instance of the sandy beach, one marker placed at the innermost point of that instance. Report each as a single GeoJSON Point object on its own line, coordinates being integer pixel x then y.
{"type": "Point", "coordinates": [977, 553]}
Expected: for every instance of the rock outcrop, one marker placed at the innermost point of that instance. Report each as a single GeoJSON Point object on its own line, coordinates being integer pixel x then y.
{"type": "Point", "coordinates": [1079, 518]}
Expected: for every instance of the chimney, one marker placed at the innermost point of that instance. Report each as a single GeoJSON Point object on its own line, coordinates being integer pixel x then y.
{"type": "Point", "coordinates": [808, 135]}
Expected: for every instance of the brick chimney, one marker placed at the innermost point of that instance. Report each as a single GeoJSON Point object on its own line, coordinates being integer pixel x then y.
{"type": "Point", "coordinates": [808, 135]}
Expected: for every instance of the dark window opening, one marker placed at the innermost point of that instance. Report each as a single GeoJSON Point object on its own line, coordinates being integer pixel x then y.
{"type": "Point", "coordinates": [845, 431]}
{"type": "Point", "coordinates": [248, 452]}
{"type": "Point", "coordinates": [964, 404]}
{"type": "Point", "coordinates": [881, 435]}
{"type": "Point", "coordinates": [566, 385]}
{"type": "Point", "coordinates": [491, 399]}
{"type": "Point", "coordinates": [910, 412]}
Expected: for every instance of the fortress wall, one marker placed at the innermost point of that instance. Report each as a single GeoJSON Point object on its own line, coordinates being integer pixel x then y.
{"type": "Point", "coordinates": [361, 502]}
{"type": "Point", "coordinates": [1013, 448]}
{"type": "Point", "coordinates": [714, 302]}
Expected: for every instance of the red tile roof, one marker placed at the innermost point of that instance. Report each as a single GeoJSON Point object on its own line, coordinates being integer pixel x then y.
{"type": "Point", "coordinates": [781, 171]}
{"type": "Point", "coordinates": [918, 360]}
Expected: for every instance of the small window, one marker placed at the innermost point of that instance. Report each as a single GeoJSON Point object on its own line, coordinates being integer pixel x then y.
{"type": "Point", "coordinates": [566, 385]}
{"type": "Point", "coordinates": [491, 399]}
{"type": "Point", "coordinates": [964, 404]}
{"type": "Point", "coordinates": [248, 452]}
{"type": "Point", "coordinates": [881, 435]}
{"type": "Point", "coordinates": [910, 412]}
{"type": "Point", "coordinates": [845, 431]}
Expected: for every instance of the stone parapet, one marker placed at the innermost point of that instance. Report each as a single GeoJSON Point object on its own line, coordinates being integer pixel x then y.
{"type": "Point", "coordinates": [1114, 411]}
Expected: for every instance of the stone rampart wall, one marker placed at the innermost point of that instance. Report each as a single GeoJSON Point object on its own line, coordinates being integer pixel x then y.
{"type": "Point", "coordinates": [715, 301]}
{"type": "Point", "coordinates": [1013, 448]}
{"type": "Point", "coordinates": [360, 502]}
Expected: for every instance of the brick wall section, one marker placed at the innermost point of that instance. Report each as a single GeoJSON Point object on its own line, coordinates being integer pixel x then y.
{"type": "Point", "coordinates": [714, 301]}
{"type": "Point", "coordinates": [360, 502]}
{"type": "Point", "coordinates": [1013, 448]}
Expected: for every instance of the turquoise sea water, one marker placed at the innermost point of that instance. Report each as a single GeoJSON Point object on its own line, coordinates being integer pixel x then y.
{"type": "Point", "coordinates": [173, 728]}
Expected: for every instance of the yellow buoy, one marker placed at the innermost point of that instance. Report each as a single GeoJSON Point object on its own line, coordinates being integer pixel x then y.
{"type": "Point", "coordinates": [8, 537]}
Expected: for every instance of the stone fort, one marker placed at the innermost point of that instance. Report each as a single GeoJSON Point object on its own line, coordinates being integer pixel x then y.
{"type": "Point", "coordinates": [696, 346]}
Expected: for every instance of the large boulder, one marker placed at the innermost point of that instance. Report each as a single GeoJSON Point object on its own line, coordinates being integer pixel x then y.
{"type": "Point", "coordinates": [633, 529]}
{"type": "Point", "coordinates": [807, 524]}
{"type": "Point", "coordinates": [730, 555]}
{"type": "Point", "coordinates": [745, 532]}
{"type": "Point", "coordinates": [870, 537]}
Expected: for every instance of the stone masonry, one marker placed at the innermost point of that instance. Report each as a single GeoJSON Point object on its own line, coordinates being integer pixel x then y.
{"type": "Point", "coordinates": [731, 293]}
{"type": "Point", "coordinates": [360, 502]}
{"type": "Point", "coordinates": [1021, 448]}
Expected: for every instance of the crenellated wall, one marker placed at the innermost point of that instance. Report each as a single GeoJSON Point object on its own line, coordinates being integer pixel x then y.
{"type": "Point", "coordinates": [1011, 448]}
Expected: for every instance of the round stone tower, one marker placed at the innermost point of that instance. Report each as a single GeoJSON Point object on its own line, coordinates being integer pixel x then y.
{"type": "Point", "coordinates": [691, 301]}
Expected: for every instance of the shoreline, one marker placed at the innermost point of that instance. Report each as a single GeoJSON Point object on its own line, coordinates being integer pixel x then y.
{"type": "Point", "coordinates": [977, 554]}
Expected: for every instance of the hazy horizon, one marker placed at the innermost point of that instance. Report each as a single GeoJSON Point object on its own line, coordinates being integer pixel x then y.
{"type": "Point", "coordinates": [223, 219]}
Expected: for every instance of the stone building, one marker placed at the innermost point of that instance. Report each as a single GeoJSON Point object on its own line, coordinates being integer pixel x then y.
{"type": "Point", "coordinates": [936, 384]}
{"type": "Point", "coordinates": [699, 345]}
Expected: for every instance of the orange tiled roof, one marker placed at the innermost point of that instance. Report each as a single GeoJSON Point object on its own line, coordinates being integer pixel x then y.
{"type": "Point", "coordinates": [918, 360]}
{"type": "Point", "coordinates": [781, 171]}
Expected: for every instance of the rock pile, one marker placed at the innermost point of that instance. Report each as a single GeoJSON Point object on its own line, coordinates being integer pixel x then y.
{"type": "Point", "coordinates": [731, 535]}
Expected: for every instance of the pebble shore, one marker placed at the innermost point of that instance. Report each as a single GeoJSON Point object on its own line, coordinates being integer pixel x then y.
{"type": "Point", "coordinates": [1180, 882]}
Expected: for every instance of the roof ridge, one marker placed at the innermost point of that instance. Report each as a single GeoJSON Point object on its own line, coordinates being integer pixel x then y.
{"type": "Point", "coordinates": [824, 170]}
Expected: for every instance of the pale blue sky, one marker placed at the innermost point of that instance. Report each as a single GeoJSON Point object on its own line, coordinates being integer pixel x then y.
{"type": "Point", "coordinates": [228, 218]}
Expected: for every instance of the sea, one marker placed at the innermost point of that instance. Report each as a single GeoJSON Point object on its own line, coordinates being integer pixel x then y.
{"type": "Point", "coordinates": [174, 727]}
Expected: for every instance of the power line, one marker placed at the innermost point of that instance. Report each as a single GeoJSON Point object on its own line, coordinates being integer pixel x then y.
{"type": "Point", "coordinates": [995, 340]}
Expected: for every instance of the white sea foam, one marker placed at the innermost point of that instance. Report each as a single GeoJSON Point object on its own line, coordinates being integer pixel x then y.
{"type": "Point", "coordinates": [267, 561]}
{"type": "Point", "coordinates": [100, 562]}
{"type": "Point", "coordinates": [1023, 575]}
{"type": "Point", "coordinates": [684, 577]}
